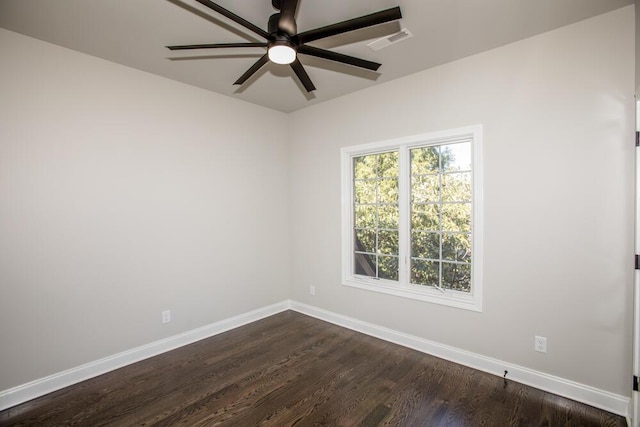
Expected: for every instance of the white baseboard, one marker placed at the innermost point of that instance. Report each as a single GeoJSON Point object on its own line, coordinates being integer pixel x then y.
{"type": "Point", "coordinates": [25, 392]}
{"type": "Point", "coordinates": [611, 402]}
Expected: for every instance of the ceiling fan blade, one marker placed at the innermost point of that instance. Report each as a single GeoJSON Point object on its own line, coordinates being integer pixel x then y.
{"type": "Point", "coordinates": [350, 25]}
{"type": "Point", "coordinates": [287, 21]}
{"type": "Point", "coordinates": [222, 11]}
{"type": "Point", "coordinates": [338, 57]}
{"type": "Point", "coordinates": [303, 76]}
{"type": "Point", "coordinates": [215, 46]}
{"type": "Point", "coordinates": [254, 68]}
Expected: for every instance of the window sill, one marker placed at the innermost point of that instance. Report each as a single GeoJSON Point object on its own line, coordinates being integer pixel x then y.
{"type": "Point", "coordinates": [429, 294]}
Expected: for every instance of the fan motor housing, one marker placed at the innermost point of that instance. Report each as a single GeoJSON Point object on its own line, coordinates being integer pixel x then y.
{"type": "Point", "coordinates": [274, 24]}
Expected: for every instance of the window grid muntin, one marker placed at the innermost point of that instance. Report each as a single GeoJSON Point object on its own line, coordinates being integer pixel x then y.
{"type": "Point", "coordinates": [440, 172]}
{"type": "Point", "coordinates": [378, 177]}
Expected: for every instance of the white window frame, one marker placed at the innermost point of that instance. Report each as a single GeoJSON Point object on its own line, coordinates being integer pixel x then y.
{"type": "Point", "coordinates": [402, 288]}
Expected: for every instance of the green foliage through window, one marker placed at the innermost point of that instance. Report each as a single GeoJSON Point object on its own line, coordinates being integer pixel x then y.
{"type": "Point", "coordinates": [376, 213]}
{"type": "Point", "coordinates": [440, 215]}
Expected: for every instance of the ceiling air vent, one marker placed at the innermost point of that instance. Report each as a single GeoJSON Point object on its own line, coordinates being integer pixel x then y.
{"type": "Point", "coordinates": [389, 40]}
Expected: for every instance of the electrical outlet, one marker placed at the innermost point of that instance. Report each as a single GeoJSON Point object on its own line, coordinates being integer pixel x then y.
{"type": "Point", "coordinates": [312, 290]}
{"type": "Point", "coordinates": [540, 344]}
{"type": "Point", "coordinates": [166, 316]}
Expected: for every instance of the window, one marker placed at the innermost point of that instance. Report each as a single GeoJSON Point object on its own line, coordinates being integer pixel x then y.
{"type": "Point", "coordinates": [412, 222]}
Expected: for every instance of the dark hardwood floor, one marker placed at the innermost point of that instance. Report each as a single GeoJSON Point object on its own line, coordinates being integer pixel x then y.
{"type": "Point", "coordinates": [291, 369]}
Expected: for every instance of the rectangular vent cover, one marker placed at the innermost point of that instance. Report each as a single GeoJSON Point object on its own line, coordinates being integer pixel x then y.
{"type": "Point", "coordinates": [389, 40]}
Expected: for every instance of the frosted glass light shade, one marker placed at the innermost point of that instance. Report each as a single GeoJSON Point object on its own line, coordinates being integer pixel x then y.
{"type": "Point", "coordinates": [282, 54]}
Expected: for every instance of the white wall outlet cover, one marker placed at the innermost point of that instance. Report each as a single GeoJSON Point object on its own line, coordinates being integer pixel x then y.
{"type": "Point", "coordinates": [166, 316]}
{"type": "Point", "coordinates": [540, 344]}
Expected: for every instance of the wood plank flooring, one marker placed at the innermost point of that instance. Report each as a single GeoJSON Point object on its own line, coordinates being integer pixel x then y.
{"type": "Point", "coordinates": [291, 369]}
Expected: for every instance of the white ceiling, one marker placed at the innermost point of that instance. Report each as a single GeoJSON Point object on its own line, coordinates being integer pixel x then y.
{"type": "Point", "coordinates": [135, 33]}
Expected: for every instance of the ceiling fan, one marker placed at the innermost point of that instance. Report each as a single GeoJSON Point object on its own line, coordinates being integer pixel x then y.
{"type": "Point", "coordinates": [283, 42]}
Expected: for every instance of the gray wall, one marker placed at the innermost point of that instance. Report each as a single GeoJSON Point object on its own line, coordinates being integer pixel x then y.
{"type": "Point", "coordinates": [557, 111]}
{"type": "Point", "coordinates": [123, 194]}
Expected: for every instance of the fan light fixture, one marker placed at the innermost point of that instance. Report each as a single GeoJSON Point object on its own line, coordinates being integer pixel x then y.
{"type": "Point", "coordinates": [282, 54]}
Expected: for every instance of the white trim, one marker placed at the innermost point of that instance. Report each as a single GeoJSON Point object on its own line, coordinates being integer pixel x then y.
{"type": "Point", "coordinates": [635, 396]}
{"type": "Point", "coordinates": [25, 392]}
{"type": "Point", "coordinates": [402, 287]}
{"type": "Point", "coordinates": [580, 392]}
{"type": "Point", "coordinates": [448, 298]}
{"type": "Point", "coordinates": [602, 399]}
